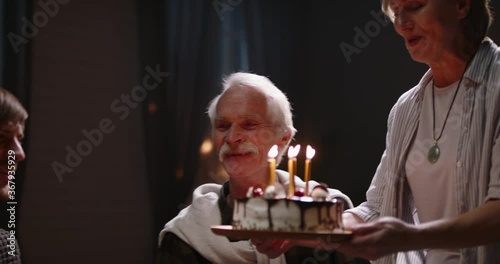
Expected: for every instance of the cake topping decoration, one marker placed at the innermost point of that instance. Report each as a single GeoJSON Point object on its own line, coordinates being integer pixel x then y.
{"type": "Point", "coordinates": [257, 192]}
{"type": "Point", "coordinates": [270, 192]}
{"type": "Point", "coordinates": [299, 192]}
{"type": "Point", "coordinates": [320, 192]}
{"type": "Point", "coordinates": [274, 191]}
{"type": "Point", "coordinates": [250, 192]}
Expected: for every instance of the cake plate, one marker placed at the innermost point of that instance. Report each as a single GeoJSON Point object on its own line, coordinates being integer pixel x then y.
{"type": "Point", "coordinates": [326, 236]}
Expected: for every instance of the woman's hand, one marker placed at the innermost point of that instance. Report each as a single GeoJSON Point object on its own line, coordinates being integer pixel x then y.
{"type": "Point", "coordinates": [388, 235]}
{"type": "Point", "coordinates": [377, 239]}
{"type": "Point", "coordinates": [369, 240]}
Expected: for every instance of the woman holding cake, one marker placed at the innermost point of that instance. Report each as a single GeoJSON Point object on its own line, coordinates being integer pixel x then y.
{"type": "Point", "coordinates": [435, 195]}
{"type": "Point", "coordinates": [248, 118]}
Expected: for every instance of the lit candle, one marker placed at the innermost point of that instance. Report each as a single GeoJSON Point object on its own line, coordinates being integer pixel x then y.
{"type": "Point", "coordinates": [292, 168]}
{"type": "Point", "coordinates": [307, 172]}
{"type": "Point", "coordinates": [273, 152]}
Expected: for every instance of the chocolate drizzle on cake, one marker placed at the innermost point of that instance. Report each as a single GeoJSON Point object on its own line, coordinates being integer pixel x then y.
{"type": "Point", "coordinates": [296, 214]}
{"type": "Point", "coordinates": [269, 216]}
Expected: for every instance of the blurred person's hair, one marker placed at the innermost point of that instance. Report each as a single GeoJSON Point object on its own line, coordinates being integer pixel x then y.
{"type": "Point", "coordinates": [11, 110]}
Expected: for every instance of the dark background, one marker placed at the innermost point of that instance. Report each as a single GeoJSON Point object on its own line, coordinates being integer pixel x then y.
{"type": "Point", "coordinates": [112, 205]}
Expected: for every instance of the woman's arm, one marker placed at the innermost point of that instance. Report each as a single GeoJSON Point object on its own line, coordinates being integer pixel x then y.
{"type": "Point", "coordinates": [388, 235]}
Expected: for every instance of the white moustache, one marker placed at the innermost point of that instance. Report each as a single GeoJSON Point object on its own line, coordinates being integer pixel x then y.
{"type": "Point", "coordinates": [244, 147]}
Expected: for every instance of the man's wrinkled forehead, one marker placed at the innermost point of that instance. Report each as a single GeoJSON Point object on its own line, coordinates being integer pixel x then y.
{"type": "Point", "coordinates": [244, 92]}
{"type": "Point", "coordinates": [242, 96]}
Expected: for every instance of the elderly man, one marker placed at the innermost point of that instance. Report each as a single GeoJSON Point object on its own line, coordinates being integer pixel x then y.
{"type": "Point", "coordinates": [248, 118]}
{"type": "Point", "coordinates": [12, 118]}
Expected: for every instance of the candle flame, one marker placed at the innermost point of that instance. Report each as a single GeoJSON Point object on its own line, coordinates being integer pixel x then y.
{"type": "Point", "coordinates": [310, 152]}
{"type": "Point", "coordinates": [293, 151]}
{"type": "Point", "coordinates": [273, 152]}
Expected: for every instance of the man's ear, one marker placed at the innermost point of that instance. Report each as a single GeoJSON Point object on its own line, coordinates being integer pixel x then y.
{"type": "Point", "coordinates": [286, 137]}
{"type": "Point", "coordinates": [463, 8]}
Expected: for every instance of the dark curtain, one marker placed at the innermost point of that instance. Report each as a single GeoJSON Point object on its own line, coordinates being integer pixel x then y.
{"type": "Point", "coordinates": [15, 58]}
{"type": "Point", "coordinates": [198, 42]}
{"type": "Point", "coordinates": [182, 37]}
{"type": "Point", "coordinates": [15, 48]}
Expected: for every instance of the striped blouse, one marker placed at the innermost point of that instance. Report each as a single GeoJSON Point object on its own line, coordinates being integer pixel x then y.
{"type": "Point", "coordinates": [478, 157]}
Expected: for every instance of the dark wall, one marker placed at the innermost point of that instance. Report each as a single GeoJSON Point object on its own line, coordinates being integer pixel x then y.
{"type": "Point", "coordinates": [343, 109]}
{"type": "Point", "coordinates": [85, 58]}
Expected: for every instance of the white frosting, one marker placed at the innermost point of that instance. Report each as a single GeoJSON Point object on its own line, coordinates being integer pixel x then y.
{"type": "Point", "coordinates": [302, 214]}
{"type": "Point", "coordinates": [251, 215]}
{"type": "Point", "coordinates": [274, 191]}
{"type": "Point", "coordinates": [285, 216]}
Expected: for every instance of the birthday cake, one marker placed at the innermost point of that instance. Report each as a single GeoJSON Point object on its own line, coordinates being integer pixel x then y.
{"type": "Point", "coordinates": [273, 210]}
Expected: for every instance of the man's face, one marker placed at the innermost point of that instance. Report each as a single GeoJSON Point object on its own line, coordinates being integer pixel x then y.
{"type": "Point", "coordinates": [11, 153]}
{"type": "Point", "coordinates": [244, 133]}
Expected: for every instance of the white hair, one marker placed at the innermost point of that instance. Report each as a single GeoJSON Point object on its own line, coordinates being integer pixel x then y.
{"type": "Point", "coordinates": [386, 8]}
{"type": "Point", "coordinates": [278, 105]}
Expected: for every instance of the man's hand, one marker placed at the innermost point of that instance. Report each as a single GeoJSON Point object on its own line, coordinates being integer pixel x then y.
{"type": "Point", "coordinates": [272, 248]}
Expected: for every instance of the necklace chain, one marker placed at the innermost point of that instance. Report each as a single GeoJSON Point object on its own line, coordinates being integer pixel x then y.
{"type": "Point", "coordinates": [447, 114]}
{"type": "Point", "coordinates": [435, 151]}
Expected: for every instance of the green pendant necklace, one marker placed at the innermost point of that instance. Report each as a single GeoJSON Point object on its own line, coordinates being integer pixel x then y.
{"type": "Point", "coordinates": [435, 151]}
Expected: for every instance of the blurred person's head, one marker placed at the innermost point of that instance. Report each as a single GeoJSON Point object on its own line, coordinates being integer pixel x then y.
{"type": "Point", "coordinates": [250, 116]}
{"type": "Point", "coordinates": [12, 120]}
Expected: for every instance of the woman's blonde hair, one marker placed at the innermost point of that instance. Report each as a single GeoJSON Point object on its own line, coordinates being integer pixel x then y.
{"type": "Point", "coordinates": [476, 24]}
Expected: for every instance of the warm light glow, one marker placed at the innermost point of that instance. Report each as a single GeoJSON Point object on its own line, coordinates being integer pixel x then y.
{"type": "Point", "coordinates": [206, 147]}
{"type": "Point", "coordinates": [273, 152]}
{"type": "Point", "coordinates": [292, 168]}
{"type": "Point", "coordinates": [152, 107]}
{"type": "Point", "coordinates": [179, 173]}
{"type": "Point", "coordinates": [293, 151]}
{"type": "Point", "coordinates": [310, 152]}
{"type": "Point", "coordinates": [307, 169]}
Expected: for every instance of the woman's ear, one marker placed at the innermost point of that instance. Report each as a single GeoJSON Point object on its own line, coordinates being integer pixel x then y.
{"type": "Point", "coordinates": [463, 8]}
